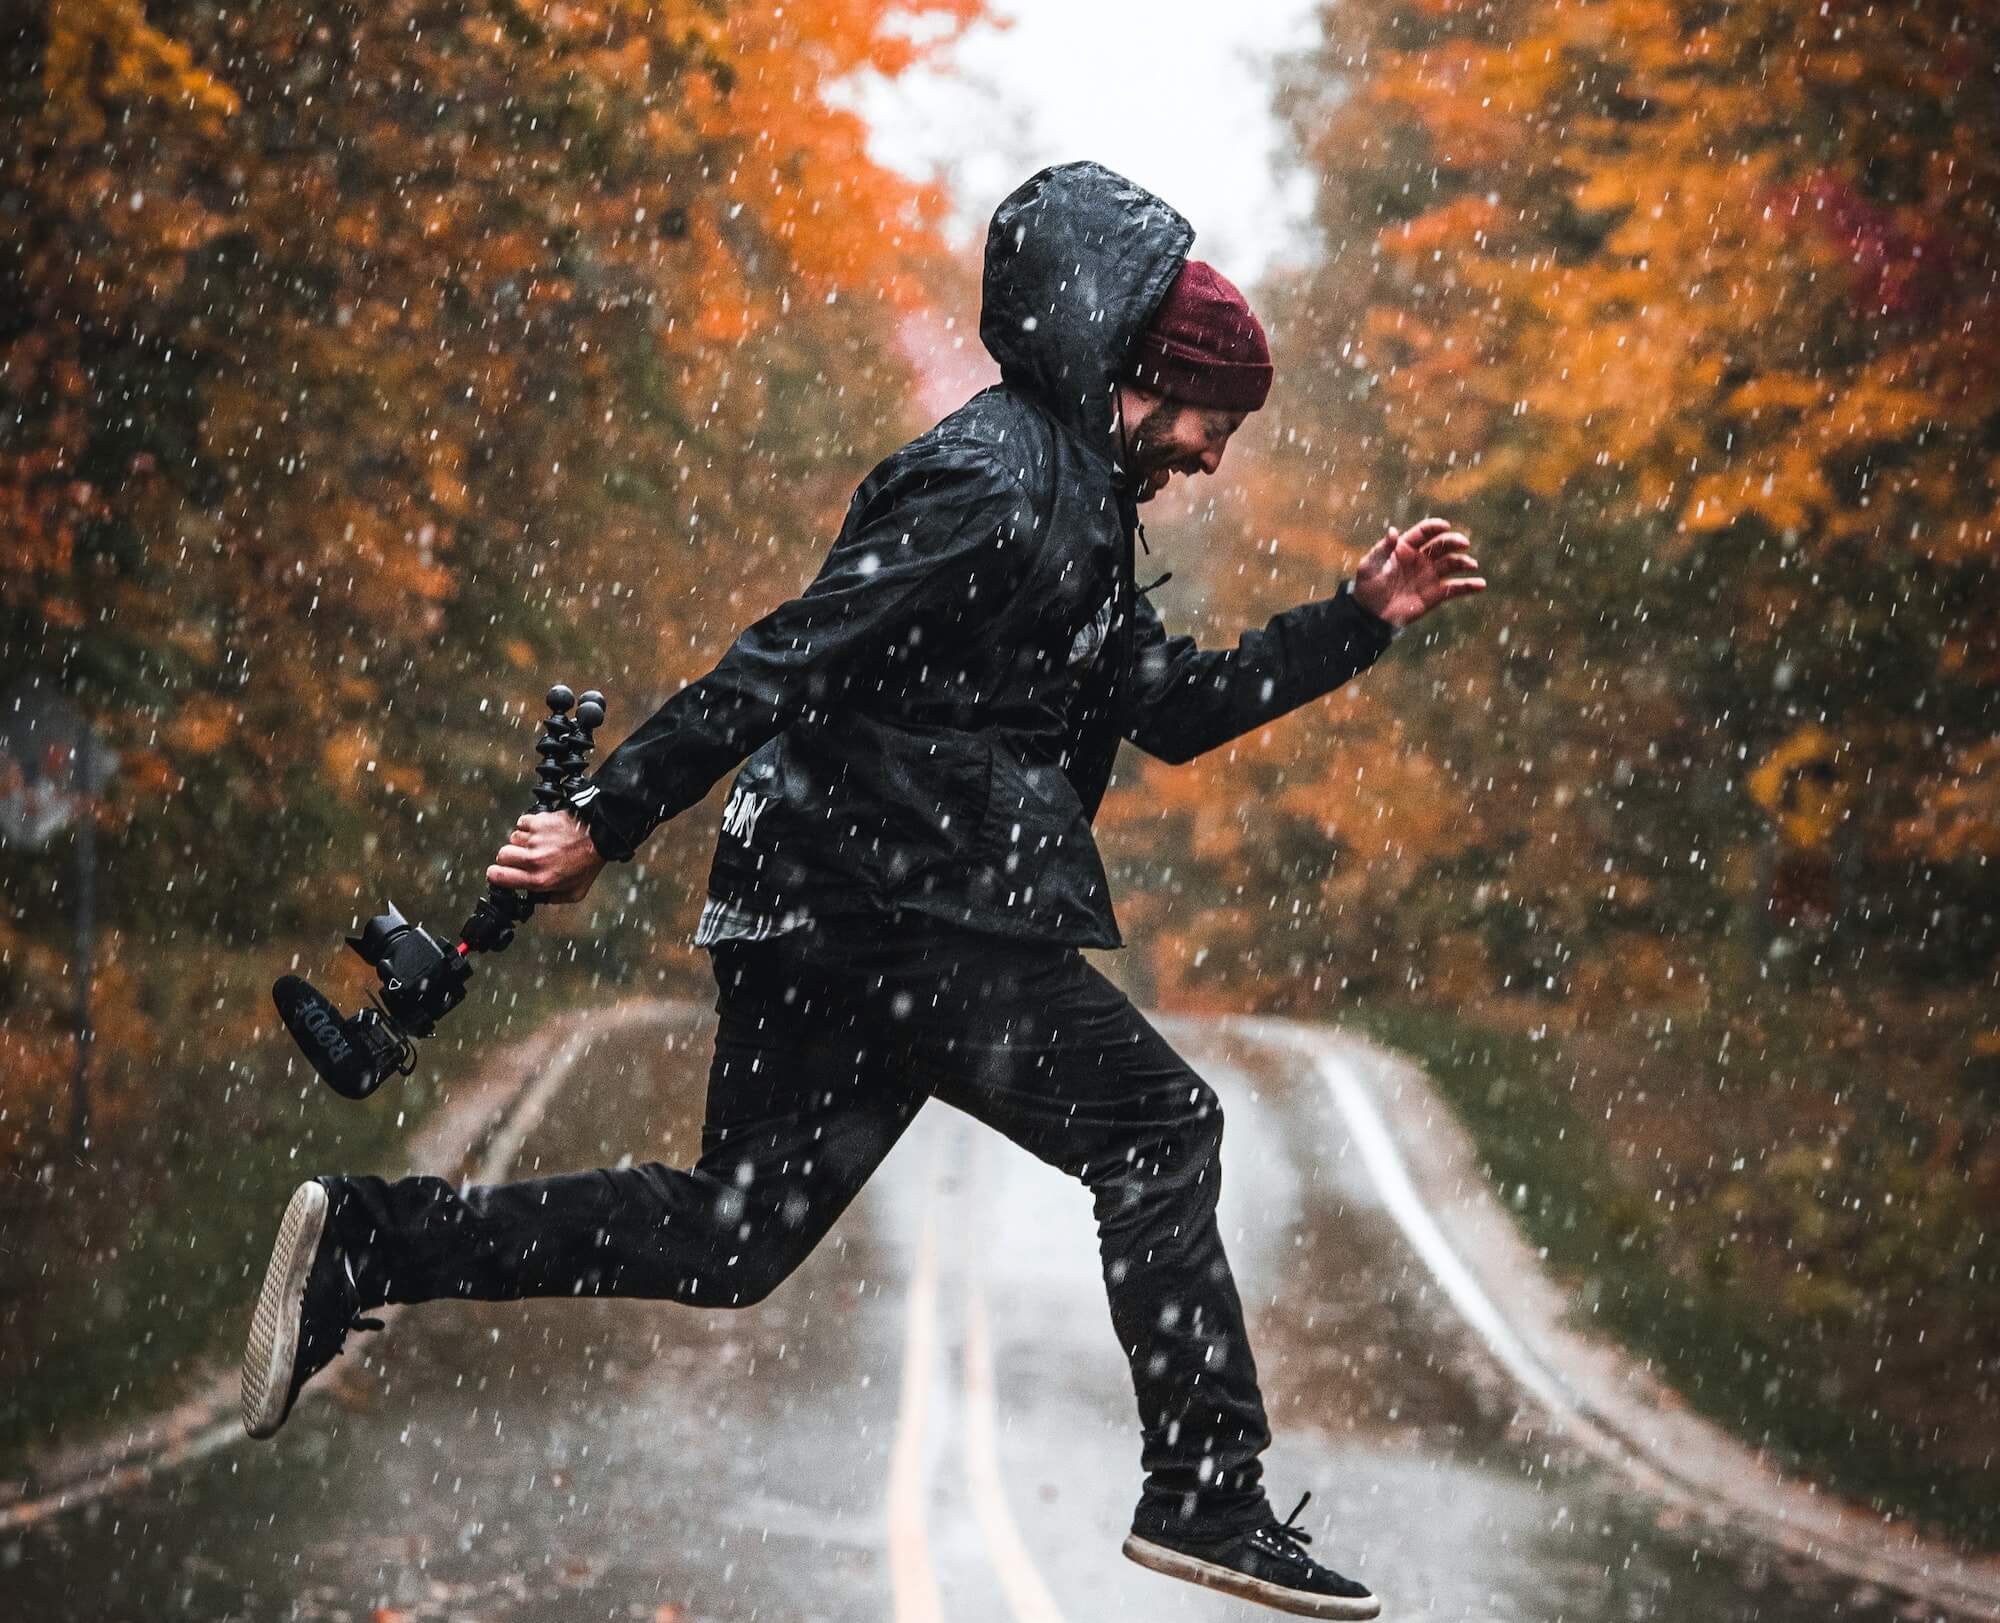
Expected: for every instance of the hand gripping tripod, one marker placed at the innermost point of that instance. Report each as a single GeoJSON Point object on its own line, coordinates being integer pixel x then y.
{"type": "Point", "coordinates": [424, 979]}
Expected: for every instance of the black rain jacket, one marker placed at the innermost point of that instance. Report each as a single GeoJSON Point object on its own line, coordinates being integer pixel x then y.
{"type": "Point", "coordinates": [930, 727]}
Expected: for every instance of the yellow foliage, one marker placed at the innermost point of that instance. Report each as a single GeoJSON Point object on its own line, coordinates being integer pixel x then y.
{"type": "Point", "coordinates": [203, 725]}
{"type": "Point", "coordinates": [1784, 486]}
{"type": "Point", "coordinates": [1453, 226]}
{"type": "Point", "coordinates": [368, 371]}
{"type": "Point", "coordinates": [1770, 391]}
{"type": "Point", "coordinates": [106, 49]}
{"type": "Point", "coordinates": [346, 757]}
{"type": "Point", "coordinates": [1802, 785]}
{"type": "Point", "coordinates": [146, 772]}
{"type": "Point", "coordinates": [1960, 807]}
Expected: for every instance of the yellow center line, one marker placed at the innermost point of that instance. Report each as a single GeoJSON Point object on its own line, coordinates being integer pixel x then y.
{"type": "Point", "coordinates": [1027, 1595]}
{"type": "Point", "coordinates": [912, 1581]}
{"type": "Point", "coordinates": [912, 1577]}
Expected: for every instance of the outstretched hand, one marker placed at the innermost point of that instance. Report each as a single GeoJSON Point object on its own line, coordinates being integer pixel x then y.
{"type": "Point", "coordinates": [549, 856]}
{"type": "Point", "coordinates": [1404, 576]}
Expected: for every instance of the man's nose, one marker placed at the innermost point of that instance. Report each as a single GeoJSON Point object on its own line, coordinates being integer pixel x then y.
{"type": "Point", "coordinates": [1211, 459]}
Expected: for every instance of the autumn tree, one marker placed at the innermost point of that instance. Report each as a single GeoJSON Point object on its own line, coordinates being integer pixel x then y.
{"type": "Point", "coordinates": [1684, 310]}
{"type": "Point", "coordinates": [364, 368]}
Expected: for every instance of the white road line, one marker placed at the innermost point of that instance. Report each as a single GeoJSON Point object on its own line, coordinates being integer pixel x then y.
{"type": "Point", "coordinates": [28, 1512]}
{"type": "Point", "coordinates": [526, 1116]}
{"type": "Point", "coordinates": [912, 1582]}
{"type": "Point", "coordinates": [526, 1112]}
{"type": "Point", "coordinates": [1027, 1595]}
{"type": "Point", "coordinates": [1384, 1165]}
{"type": "Point", "coordinates": [1823, 1532]}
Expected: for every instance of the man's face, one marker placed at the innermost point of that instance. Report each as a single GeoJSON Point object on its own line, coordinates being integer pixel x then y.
{"type": "Point", "coordinates": [1171, 437]}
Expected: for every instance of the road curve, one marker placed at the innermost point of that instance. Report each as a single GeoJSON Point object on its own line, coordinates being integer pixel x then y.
{"type": "Point", "coordinates": [929, 1424]}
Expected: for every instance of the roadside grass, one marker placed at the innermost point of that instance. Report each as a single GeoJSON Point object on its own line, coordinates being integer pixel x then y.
{"type": "Point", "coordinates": [1737, 1357]}
{"type": "Point", "coordinates": [127, 1276]}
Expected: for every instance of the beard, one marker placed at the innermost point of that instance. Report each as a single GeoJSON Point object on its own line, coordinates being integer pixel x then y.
{"type": "Point", "coordinates": [1152, 462]}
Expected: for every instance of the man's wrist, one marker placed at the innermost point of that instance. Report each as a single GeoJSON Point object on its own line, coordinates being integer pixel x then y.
{"type": "Point", "coordinates": [1347, 591]}
{"type": "Point", "coordinates": [586, 807]}
{"type": "Point", "coordinates": [607, 850]}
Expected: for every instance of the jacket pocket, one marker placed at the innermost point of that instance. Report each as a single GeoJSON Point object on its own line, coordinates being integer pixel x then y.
{"type": "Point", "coordinates": [910, 802]}
{"type": "Point", "coordinates": [1036, 844]}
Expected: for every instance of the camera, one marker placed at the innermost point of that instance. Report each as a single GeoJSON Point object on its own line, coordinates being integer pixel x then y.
{"type": "Point", "coordinates": [423, 977]}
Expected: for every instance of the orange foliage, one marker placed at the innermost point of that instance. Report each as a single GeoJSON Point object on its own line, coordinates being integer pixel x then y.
{"type": "Point", "coordinates": [407, 361]}
{"type": "Point", "coordinates": [1714, 403]}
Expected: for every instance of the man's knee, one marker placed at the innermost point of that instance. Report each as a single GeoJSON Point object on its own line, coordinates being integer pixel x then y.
{"type": "Point", "coordinates": [740, 1278]}
{"type": "Point", "coordinates": [763, 1236]}
{"type": "Point", "coordinates": [1194, 1131]}
{"type": "Point", "coordinates": [745, 1287]}
{"type": "Point", "coordinates": [1203, 1117]}
{"type": "Point", "coordinates": [1169, 1168]}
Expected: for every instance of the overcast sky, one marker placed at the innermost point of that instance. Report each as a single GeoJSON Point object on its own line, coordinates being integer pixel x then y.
{"type": "Point", "coordinates": [1175, 94]}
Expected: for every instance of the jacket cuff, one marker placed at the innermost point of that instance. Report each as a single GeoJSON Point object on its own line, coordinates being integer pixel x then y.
{"type": "Point", "coordinates": [587, 807]}
{"type": "Point", "coordinates": [1384, 632]}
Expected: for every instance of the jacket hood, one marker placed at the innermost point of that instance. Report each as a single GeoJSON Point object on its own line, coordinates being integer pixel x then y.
{"type": "Point", "coordinates": [1077, 260]}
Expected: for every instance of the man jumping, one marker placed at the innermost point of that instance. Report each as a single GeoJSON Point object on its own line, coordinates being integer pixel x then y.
{"type": "Point", "coordinates": [906, 872]}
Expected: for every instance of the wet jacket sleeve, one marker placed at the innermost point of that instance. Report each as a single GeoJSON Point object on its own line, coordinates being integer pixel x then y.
{"type": "Point", "coordinates": [932, 536]}
{"type": "Point", "coordinates": [1181, 700]}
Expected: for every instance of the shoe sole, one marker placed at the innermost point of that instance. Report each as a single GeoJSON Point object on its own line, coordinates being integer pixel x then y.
{"type": "Point", "coordinates": [1192, 1569]}
{"type": "Point", "coordinates": [274, 1329]}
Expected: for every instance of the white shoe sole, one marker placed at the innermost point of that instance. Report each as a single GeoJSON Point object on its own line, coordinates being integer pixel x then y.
{"type": "Point", "coordinates": [1192, 1569]}
{"type": "Point", "coordinates": [274, 1330]}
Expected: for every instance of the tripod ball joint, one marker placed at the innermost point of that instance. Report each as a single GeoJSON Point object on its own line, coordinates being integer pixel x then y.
{"type": "Point", "coordinates": [423, 976]}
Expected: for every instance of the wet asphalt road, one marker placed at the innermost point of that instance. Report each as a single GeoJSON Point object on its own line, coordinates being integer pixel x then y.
{"type": "Point", "coordinates": [930, 1423]}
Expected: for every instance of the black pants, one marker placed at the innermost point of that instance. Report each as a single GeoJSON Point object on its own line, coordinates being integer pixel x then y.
{"type": "Point", "coordinates": [825, 1051]}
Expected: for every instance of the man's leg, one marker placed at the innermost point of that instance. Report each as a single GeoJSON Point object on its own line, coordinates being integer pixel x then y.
{"type": "Point", "coordinates": [1034, 1042]}
{"type": "Point", "coordinates": [802, 1106]}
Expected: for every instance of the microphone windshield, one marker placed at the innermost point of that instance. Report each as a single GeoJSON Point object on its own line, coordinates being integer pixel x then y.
{"type": "Point", "coordinates": [331, 1044]}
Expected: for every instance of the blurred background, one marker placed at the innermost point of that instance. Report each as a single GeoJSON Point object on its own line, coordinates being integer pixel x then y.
{"type": "Point", "coordinates": [364, 368]}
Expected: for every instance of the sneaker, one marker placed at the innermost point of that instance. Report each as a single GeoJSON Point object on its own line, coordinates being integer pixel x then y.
{"type": "Point", "coordinates": [1267, 1565]}
{"type": "Point", "coordinates": [308, 1304]}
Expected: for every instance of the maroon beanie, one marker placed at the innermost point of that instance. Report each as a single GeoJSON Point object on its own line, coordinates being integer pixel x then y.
{"type": "Point", "coordinates": [1204, 346]}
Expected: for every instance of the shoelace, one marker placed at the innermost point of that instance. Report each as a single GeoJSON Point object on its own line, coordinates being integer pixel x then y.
{"type": "Point", "coordinates": [1287, 1536]}
{"type": "Point", "coordinates": [1289, 1527]}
